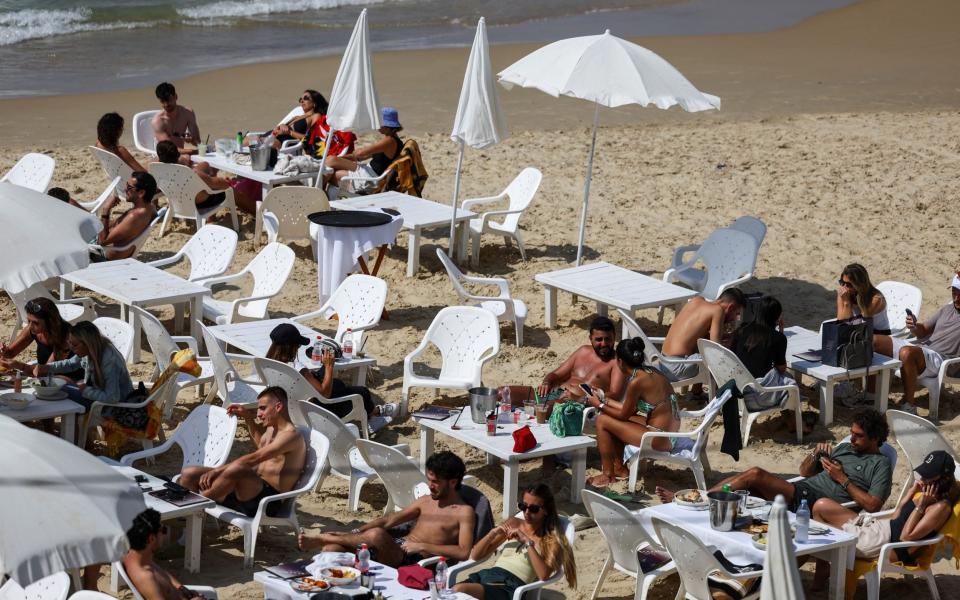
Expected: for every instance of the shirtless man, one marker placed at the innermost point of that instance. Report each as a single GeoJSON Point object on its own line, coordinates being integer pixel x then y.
{"type": "Point", "coordinates": [273, 468]}
{"type": "Point", "coordinates": [698, 319]}
{"type": "Point", "coordinates": [150, 579]}
{"type": "Point", "coordinates": [141, 187]}
{"type": "Point", "coordinates": [167, 153]}
{"type": "Point", "coordinates": [592, 364]}
{"type": "Point", "coordinates": [444, 523]}
{"type": "Point", "coordinates": [174, 122]}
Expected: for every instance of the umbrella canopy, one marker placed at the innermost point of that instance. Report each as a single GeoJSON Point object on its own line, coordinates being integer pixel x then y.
{"type": "Point", "coordinates": [353, 100]}
{"type": "Point", "coordinates": [63, 508]}
{"type": "Point", "coordinates": [781, 579]}
{"type": "Point", "coordinates": [479, 122]}
{"type": "Point", "coordinates": [41, 237]}
{"type": "Point", "coordinates": [608, 71]}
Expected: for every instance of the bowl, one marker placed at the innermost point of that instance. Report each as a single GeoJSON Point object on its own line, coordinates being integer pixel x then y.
{"type": "Point", "coordinates": [339, 575]}
{"type": "Point", "coordinates": [16, 401]}
{"type": "Point", "coordinates": [44, 388]}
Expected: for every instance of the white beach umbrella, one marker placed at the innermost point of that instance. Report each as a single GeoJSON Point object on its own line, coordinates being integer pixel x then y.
{"type": "Point", "coordinates": [608, 71]}
{"type": "Point", "coordinates": [62, 507]}
{"type": "Point", "coordinates": [40, 237]}
{"type": "Point", "coordinates": [354, 105]}
{"type": "Point", "coordinates": [781, 578]}
{"type": "Point", "coordinates": [479, 122]}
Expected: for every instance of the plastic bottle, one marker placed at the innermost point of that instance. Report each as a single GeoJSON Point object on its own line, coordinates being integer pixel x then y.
{"type": "Point", "coordinates": [18, 382]}
{"type": "Point", "coordinates": [363, 559]}
{"type": "Point", "coordinates": [505, 398]}
{"type": "Point", "coordinates": [440, 576]}
{"type": "Point", "coordinates": [726, 488]}
{"type": "Point", "coordinates": [803, 523]}
{"type": "Point", "coordinates": [348, 344]}
{"type": "Point", "coordinates": [317, 348]}
{"type": "Point", "coordinates": [492, 422]}
{"type": "Point", "coordinates": [239, 141]}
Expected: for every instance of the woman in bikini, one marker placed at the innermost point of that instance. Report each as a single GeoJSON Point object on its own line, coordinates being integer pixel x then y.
{"type": "Point", "coordinates": [648, 404]}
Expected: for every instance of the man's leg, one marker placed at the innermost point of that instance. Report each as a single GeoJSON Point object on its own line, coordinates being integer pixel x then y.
{"type": "Point", "coordinates": [913, 365]}
{"type": "Point", "coordinates": [240, 479]}
{"type": "Point", "coordinates": [190, 477]}
{"type": "Point", "coordinates": [756, 480]}
{"type": "Point", "coordinates": [379, 540]}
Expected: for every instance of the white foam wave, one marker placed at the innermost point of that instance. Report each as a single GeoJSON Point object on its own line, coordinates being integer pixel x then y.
{"type": "Point", "coordinates": [30, 24]}
{"type": "Point", "coordinates": [235, 8]}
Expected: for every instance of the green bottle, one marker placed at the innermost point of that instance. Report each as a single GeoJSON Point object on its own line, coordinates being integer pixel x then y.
{"type": "Point", "coordinates": [726, 488]}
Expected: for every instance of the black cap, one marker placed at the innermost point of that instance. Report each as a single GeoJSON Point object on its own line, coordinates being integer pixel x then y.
{"type": "Point", "coordinates": [936, 463]}
{"type": "Point", "coordinates": [286, 334]}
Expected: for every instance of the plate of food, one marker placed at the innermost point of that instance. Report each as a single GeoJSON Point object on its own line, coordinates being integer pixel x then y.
{"type": "Point", "coordinates": [339, 575]}
{"type": "Point", "coordinates": [760, 540]}
{"type": "Point", "coordinates": [691, 499]}
{"type": "Point", "coordinates": [16, 401]}
{"type": "Point", "coordinates": [756, 529]}
{"type": "Point", "coordinates": [755, 502]}
{"type": "Point", "coordinates": [309, 584]}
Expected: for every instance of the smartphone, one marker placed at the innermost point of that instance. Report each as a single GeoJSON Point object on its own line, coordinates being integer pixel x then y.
{"type": "Point", "coordinates": [140, 478]}
{"type": "Point", "coordinates": [910, 313]}
{"type": "Point", "coordinates": [586, 389]}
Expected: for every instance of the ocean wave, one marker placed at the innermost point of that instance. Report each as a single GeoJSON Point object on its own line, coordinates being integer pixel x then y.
{"type": "Point", "coordinates": [238, 9]}
{"type": "Point", "coordinates": [30, 24]}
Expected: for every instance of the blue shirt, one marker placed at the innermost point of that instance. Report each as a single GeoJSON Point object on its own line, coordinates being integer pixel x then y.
{"type": "Point", "coordinates": [116, 379]}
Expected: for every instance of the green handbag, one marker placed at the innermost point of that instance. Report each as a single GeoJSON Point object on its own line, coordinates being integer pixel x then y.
{"type": "Point", "coordinates": [566, 419]}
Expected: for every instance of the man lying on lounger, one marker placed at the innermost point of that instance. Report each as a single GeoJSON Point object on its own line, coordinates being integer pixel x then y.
{"type": "Point", "coordinates": [444, 523]}
{"type": "Point", "coordinates": [273, 468]}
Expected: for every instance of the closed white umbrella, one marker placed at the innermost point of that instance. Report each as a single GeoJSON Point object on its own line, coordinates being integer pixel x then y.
{"type": "Point", "coordinates": [62, 507]}
{"type": "Point", "coordinates": [781, 578]}
{"type": "Point", "coordinates": [608, 71]}
{"type": "Point", "coordinates": [354, 105]}
{"type": "Point", "coordinates": [479, 122]}
{"type": "Point", "coordinates": [40, 237]}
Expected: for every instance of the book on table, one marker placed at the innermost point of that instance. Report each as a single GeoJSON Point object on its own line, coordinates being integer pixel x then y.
{"type": "Point", "coordinates": [291, 570]}
{"type": "Point", "coordinates": [435, 413]}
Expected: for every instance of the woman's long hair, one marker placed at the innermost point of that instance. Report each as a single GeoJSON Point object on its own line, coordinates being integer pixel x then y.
{"type": "Point", "coordinates": [857, 274]}
{"type": "Point", "coordinates": [54, 326]}
{"type": "Point", "coordinates": [320, 104]}
{"type": "Point", "coordinates": [285, 353]}
{"type": "Point", "coordinates": [757, 331]}
{"type": "Point", "coordinates": [87, 334]}
{"type": "Point", "coordinates": [555, 549]}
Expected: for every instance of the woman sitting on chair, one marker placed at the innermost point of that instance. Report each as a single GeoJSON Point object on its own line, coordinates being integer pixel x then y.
{"type": "Point", "coordinates": [298, 128]}
{"type": "Point", "coordinates": [109, 130]}
{"type": "Point", "coordinates": [535, 549]}
{"type": "Point", "coordinates": [381, 153]}
{"type": "Point", "coordinates": [648, 404]}
{"type": "Point", "coordinates": [48, 330]}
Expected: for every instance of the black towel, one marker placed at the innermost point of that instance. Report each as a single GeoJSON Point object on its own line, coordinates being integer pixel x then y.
{"type": "Point", "coordinates": [732, 441]}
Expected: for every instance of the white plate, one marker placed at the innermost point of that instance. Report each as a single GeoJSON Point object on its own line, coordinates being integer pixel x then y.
{"type": "Point", "coordinates": [15, 401]}
{"type": "Point", "coordinates": [299, 584]}
{"type": "Point", "coordinates": [702, 505]}
{"type": "Point", "coordinates": [60, 395]}
{"type": "Point", "coordinates": [349, 575]}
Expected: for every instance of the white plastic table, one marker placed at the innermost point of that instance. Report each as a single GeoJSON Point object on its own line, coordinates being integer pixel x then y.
{"type": "Point", "coordinates": [67, 410]}
{"type": "Point", "coordinates": [253, 337]}
{"type": "Point", "coordinates": [837, 547]}
{"type": "Point", "coordinates": [418, 214]}
{"type": "Point", "coordinates": [609, 285]}
{"type": "Point", "coordinates": [501, 446]}
{"type": "Point", "coordinates": [801, 340]}
{"type": "Point", "coordinates": [339, 248]}
{"type": "Point", "coordinates": [268, 179]}
{"type": "Point", "coordinates": [133, 283]}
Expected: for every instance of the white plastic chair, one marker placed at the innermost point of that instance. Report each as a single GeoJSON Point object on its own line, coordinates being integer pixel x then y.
{"type": "Point", "coordinates": [652, 355]}
{"type": "Point", "coordinates": [358, 303]}
{"type": "Point", "coordinates": [694, 562]}
{"type": "Point", "coordinates": [162, 396]}
{"type": "Point", "coordinates": [399, 473]}
{"type": "Point", "coordinates": [163, 346]}
{"type": "Point", "coordinates": [51, 587]}
{"type": "Point", "coordinates": [467, 337]}
{"type": "Point", "coordinates": [724, 365]}
{"type": "Point", "coordinates": [180, 184]}
{"type": "Point", "coordinates": [33, 171]}
{"type": "Point", "coordinates": [113, 166]}
{"type": "Point", "coordinates": [143, 137]}
{"type": "Point", "coordinates": [230, 387]}
{"type": "Point", "coordinates": [729, 256]}
{"type": "Point", "coordinates": [917, 437]}
{"type": "Point", "coordinates": [318, 447]}
{"type": "Point", "coordinates": [270, 269]}
{"type": "Point", "coordinates": [137, 244]}
{"type": "Point", "coordinates": [205, 438]}
{"type": "Point", "coordinates": [624, 534]}
{"type": "Point", "coordinates": [209, 251]}
{"type": "Point", "coordinates": [504, 306]}
{"type": "Point", "coordinates": [750, 225]}
{"type": "Point", "coordinates": [520, 193]}
{"type": "Point", "coordinates": [91, 595]}
{"type": "Point", "coordinates": [533, 589]}
{"type": "Point", "coordinates": [899, 297]}
{"type": "Point", "coordinates": [112, 188]}
{"type": "Point", "coordinates": [283, 213]}
{"type": "Point", "coordinates": [949, 373]}
{"type": "Point", "coordinates": [120, 334]}
{"type": "Point", "coordinates": [368, 183]}
{"type": "Point", "coordinates": [72, 310]}
{"type": "Point", "coordinates": [205, 591]}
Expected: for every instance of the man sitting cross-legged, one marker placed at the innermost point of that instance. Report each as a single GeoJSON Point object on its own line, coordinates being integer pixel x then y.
{"type": "Point", "coordinates": [273, 468]}
{"type": "Point", "coordinates": [444, 523]}
{"type": "Point", "coordinates": [852, 471]}
{"type": "Point", "coordinates": [151, 581]}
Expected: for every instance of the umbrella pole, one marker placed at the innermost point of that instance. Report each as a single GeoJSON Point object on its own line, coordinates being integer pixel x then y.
{"type": "Point", "coordinates": [586, 185]}
{"type": "Point", "coordinates": [323, 159]}
{"type": "Point", "coordinates": [455, 203]}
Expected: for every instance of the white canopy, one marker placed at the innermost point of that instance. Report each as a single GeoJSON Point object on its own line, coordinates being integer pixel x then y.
{"type": "Point", "coordinates": [62, 507]}
{"type": "Point", "coordinates": [40, 237]}
{"type": "Point", "coordinates": [781, 578]}
{"type": "Point", "coordinates": [354, 105]}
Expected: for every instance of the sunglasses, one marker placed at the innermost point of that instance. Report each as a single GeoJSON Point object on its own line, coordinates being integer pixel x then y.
{"type": "Point", "coordinates": [844, 283]}
{"type": "Point", "coordinates": [533, 508]}
{"type": "Point", "coordinates": [33, 307]}
{"type": "Point", "coordinates": [305, 99]}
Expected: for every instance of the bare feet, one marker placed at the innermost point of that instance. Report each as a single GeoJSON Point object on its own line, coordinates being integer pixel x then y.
{"type": "Point", "coordinates": [621, 472]}
{"type": "Point", "coordinates": [602, 480]}
{"type": "Point", "coordinates": [665, 495]}
{"type": "Point", "coordinates": [306, 542]}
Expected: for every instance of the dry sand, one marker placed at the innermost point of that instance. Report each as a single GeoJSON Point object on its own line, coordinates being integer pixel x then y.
{"type": "Point", "coordinates": [840, 133]}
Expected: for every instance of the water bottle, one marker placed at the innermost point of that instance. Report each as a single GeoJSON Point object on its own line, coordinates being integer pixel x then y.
{"type": "Point", "coordinates": [505, 397]}
{"type": "Point", "coordinates": [363, 559]}
{"type": "Point", "coordinates": [348, 344]}
{"type": "Point", "coordinates": [803, 523]}
{"type": "Point", "coordinates": [440, 577]}
{"type": "Point", "coordinates": [317, 352]}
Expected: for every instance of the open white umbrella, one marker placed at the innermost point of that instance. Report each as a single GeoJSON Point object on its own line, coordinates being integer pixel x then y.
{"type": "Point", "coordinates": [608, 71]}
{"type": "Point", "coordinates": [354, 105]}
{"type": "Point", "coordinates": [62, 507]}
{"type": "Point", "coordinates": [480, 122]}
{"type": "Point", "coordinates": [40, 237]}
{"type": "Point", "coordinates": [781, 578]}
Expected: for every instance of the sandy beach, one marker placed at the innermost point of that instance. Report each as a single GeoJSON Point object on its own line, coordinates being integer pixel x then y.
{"type": "Point", "coordinates": [840, 133]}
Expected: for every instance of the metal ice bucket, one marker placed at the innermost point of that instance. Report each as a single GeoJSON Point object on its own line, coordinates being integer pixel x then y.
{"type": "Point", "coordinates": [723, 510]}
{"type": "Point", "coordinates": [482, 401]}
{"type": "Point", "coordinates": [260, 157]}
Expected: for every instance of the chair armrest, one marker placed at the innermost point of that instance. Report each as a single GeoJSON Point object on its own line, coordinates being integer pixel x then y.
{"type": "Point", "coordinates": [320, 313]}
{"type": "Point", "coordinates": [190, 343]}
{"type": "Point", "coordinates": [891, 546]}
{"type": "Point", "coordinates": [235, 304]}
{"type": "Point", "coordinates": [129, 459]}
{"type": "Point", "coordinates": [408, 359]}
{"type": "Point", "coordinates": [681, 361]}
{"type": "Point", "coordinates": [680, 251]}
{"type": "Point", "coordinates": [210, 281]}
{"type": "Point", "coordinates": [946, 365]}
{"type": "Point", "coordinates": [497, 213]}
{"type": "Point", "coordinates": [646, 442]}
{"type": "Point", "coordinates": [239, 357]}
{"type": "Point", "coordinates": [460, 567]}
{"type": "Point", "coordinates": [657, 340]}
{"type": "Point", "coordinates": [470, 203]}
{"type": "Point", "coordinates": [405, 448]}
{"type": "Point", "coordinates": [500, 282]}
{"type": "Point", "coordinates": [734, 283]}
{"type": "Point", "coordinates": [162, 262]}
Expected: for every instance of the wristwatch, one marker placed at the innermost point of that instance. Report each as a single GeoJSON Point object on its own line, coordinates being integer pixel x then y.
{"type": "Point", "coordinates": [845, 484]}
{"type": "Point", "coordinates": [531, 543]}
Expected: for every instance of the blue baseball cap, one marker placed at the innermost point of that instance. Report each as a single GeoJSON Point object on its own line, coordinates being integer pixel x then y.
{"type": "Point", "coordinates": [390, 117]}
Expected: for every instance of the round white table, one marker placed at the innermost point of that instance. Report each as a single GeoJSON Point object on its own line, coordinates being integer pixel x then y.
{"type": "Point", "coordinates": [338, 249]}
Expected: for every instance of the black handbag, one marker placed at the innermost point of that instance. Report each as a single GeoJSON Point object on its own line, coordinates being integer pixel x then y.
{"type": "Point", "coordinates": [848, 343]}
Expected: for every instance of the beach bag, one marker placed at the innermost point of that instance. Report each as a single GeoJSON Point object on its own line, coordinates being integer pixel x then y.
{"type": "Point", "coordinates": [566, 419]}
{"type": "Point", "coordinates": [848, 343]}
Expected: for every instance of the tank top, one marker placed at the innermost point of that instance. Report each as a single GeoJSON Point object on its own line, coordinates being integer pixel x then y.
{"type": "Point", "coordinates": [896, 528]}
{"type": "Point", "coordinates": [881, 324]}
{"type": "Point", "coordinates": [515, 559]}
{"type": "Point", "coordinates": [380, 161]}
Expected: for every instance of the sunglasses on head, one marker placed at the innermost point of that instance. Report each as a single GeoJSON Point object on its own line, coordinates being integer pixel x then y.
{"type": "Point", "coordinates": [34, 308]}
{"type": "Point", "coordinates": [533, 508]}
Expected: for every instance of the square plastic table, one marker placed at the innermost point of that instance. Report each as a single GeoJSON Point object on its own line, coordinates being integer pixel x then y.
{"type": "Point", "coordinates": [609, 285]}
{"type": "Point", "coordinates": [501, 446]}
{"type": "Point", "coordinates": [66, 410]}
{"type": "Point", "coordinates": [267, 179]}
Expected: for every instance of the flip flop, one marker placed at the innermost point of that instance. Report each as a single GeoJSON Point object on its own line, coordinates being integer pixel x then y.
{"type": "Point", "coordinates": [618, 497]}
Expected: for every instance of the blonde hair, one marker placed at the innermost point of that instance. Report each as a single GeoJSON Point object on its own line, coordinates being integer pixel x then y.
{"type": "Point", "coordinates": [554, 548]}
{"type": "Point", "coordinates": [860, 280]}
{"type": "Point", "coordinates": [87, 334]}
{"type": "Point", "coordinates": [285, 353]}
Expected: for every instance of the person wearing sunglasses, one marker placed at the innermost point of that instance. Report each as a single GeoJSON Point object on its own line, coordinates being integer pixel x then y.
{"type": "Point", "coordinates": [857, 297]}
{"type": "Point", "coordinates": [140, 188]}
{"type": "Point", "coordinates": [152, 582]}
{"type": "Point", "coordinates": [314, 105]}
{"type": "Point", "coordinates": [535, 548]}
{"type": "Point", "coordinates": [48, 330]}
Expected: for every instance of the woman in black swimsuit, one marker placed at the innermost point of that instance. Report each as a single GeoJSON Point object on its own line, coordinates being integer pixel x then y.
{"type": "Point", "coordinates": [298, 128]}
{"type": "Point", "coordinates": [381, 153]}
{"type": "Point", "coordinates": [47, 329]}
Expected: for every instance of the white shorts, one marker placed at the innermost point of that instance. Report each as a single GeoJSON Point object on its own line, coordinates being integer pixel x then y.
{"type": "Point", "coordinates": [871, 534]}
{"type": "Point", "coordinates": [931, 357]}
{"type": "Point", "coordinates": [364, 185]}
{"type": "Point", "coordinates": [678, 371]}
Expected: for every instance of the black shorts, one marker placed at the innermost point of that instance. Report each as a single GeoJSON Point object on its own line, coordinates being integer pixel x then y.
{"type": "Point", "coordinates": [212, 200]}
{"type": "Point", "coordinates": [801, 491]}
{"type": "Point", "coordinates": [498, 583]}
{"type": "Point", "coordinates": [249, 507]}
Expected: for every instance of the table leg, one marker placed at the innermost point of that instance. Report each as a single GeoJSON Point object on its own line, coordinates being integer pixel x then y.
{"type": "Point", "coordinates": [491, 459]}
{"type": "Point", "coordinates": [191, 559]}
{"type": "Point", "coordinates": [413, 251]}
{"type": "Point", "coordinates": [578, 475]}
{"type": "Point", "coordinates": [134, 320]}
{"type": "Point", "coordinates": [178, 310]}
{"type": "Point", "coordinates": [360, 377]}
{"type": "Point", "coordinates": [264, 190]}
{"type": "Point", "coordinates": [883, 391]}
{"type": "Point", "coordinates": [511, 477]}
{"type": "Point", "coordinates": [464, 235]}
{"type": "Point", "coordinates": [550, 306]}
{"type": "Point", "coordinates": [68, 427]}
{"type": "Point", "coordinates": [838, 572]}
{"type": "Point", "coordinates": [196, 313]}
{"type": "Point", "coordinates": [826, 402]}
{"type": "Point", "coordinates": [601, 309]}
{"type": "Point", "coordinates": [426, 446]}
{"type": "Point", "coordinates": [66, 289]}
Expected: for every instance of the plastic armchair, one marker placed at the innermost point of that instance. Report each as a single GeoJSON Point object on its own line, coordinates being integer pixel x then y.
{"type": "Point", "coordinates": [282, 214]}
{"type": "Point", "coordinates": [917, 437]}
{"type": "Point", "coordinates": [625, 536]}
{"type": "Point", "coordinates": [206, 591]}
{"type": "Point", "coordinates": [653, 356]}
{"type": "Point", "coordinates": [230, 387]}
{"type": "Point", "coordinates": [724, 365]}
{"type": "Point", "coordinates": [163, 346]}
{"type": "Point", "coordinates": [270, 269]}
{"type": "Point", "coordinates": [467, 337]}
{"type": "Point", "coordinates": [51, 587]}
{"type": "Point", "coordinates": [900, 296]}
{"type": "Point", "coordinates": [180, 184]}
{"type": "Point", "coordinates": [318, 447]}
{"type": "Point", "coordinates": [141, 239]}
{"type": "Point", "coordinates": [120, 334]}
{"type": "Point", "coordinates": [533, 589]}
{"type": "Point", "coordinates": [949, 373]}
{"type": "Point", "coordinates": [358, 303]}
{"type": "Point", "coordinates": [112, 188]}
{"type": "Point", "coordinates": [144, 139]}
{"type": "Point", "coordinates": [72, 310]}
{"type": "Point", "coordinates": [113, 166]}
{"type": "Point", "coordinates": [399, 473]}
{"type": "Point", "coordinates": [750, 225]}
{"type": "Point", "coordinates": [161, 396]}
{"type": "Point", "coordinates": [209, 251]}
{"type": "Point", "coordinates": [504, 306]}
{"type": "Point", "coordinates": [371, 184]}
{"type": "Point", "coordinates": [520, 193]}
{"type": "Point", "coordinates": [33, 171]}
